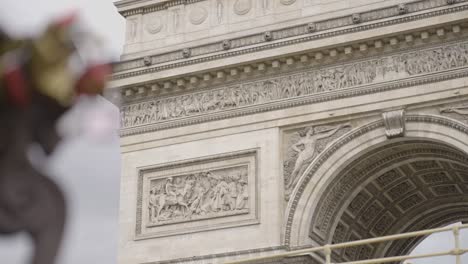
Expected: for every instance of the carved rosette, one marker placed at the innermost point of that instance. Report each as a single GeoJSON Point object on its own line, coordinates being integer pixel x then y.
{"type": "Point", "coordinates": [242, 7]}
{"type": "Point", "coordinates": [198, 15]}
{"type": "Point", "coordinates": [154, 25]}
{"type": "Point", "coordinates": [379, 70]}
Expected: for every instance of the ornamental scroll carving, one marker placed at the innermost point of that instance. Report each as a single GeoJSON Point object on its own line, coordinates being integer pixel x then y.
{"type": "Point", "coordinates": [302, 146]}
{"type": "Point", "coordinates": [394, 123]}
{"type": "Point", "coordinates": [383, 69]}
{"type": "Point", "coordinates": [201, 195]}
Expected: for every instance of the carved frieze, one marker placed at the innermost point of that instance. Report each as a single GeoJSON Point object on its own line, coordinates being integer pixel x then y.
{"type": "Point", "coordinates": [181, 197]}
{"type": "Point", "coordinates": [302, 146]}
{"type": "Point", "coordinates": [316, 81]}
{"type": "Point", "coordinates": [333, 23]}
{"type": "Point", "coordinates": [200, 195]}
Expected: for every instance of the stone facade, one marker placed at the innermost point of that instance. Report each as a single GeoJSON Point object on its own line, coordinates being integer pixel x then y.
{"type": "Point", "coordinates": [252, 127]}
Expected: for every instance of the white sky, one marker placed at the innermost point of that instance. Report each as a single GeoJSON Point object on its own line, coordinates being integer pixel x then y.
{"type": "Point", "coordinates": [89, 169]}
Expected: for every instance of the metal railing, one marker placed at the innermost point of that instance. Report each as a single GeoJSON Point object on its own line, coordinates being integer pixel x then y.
{"type": "Point", "coordinates": [456, 251]}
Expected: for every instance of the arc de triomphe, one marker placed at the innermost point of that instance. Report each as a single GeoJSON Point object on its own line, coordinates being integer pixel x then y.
{"type": "Point", "coordinates": [253, 127]}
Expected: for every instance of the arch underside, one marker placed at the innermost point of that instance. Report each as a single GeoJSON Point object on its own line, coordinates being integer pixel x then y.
{"type": "Point", "coordinates": [400, 186]}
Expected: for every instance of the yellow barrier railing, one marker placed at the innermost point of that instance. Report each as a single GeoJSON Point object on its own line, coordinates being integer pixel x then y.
{"type": "Point", "coordinates": [456, 251]}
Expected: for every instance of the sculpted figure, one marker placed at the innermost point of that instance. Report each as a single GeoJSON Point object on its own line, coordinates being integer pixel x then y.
{"type": "Point", "coordinates": [172, 198]}
{"type": "Point", "coordinates": [198, 194]}
{"type": "Point", "coordinates": [220, 195]}
{"type": "Point", "coordinates": [153, 205]}
{"type": "Point", "coordinates": [243, 195]}
{"type": "Point", "coordinates": [305, 148]}
{"type": "Point", "coordinates": [461, 110]}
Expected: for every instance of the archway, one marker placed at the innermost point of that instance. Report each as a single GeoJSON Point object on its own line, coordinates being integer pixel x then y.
{"type": "Point", "coordinates": [366, 185]}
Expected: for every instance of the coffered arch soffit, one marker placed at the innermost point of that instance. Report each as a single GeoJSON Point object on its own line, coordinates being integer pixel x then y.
{"type": "Point", "coordinates": [366, 185]}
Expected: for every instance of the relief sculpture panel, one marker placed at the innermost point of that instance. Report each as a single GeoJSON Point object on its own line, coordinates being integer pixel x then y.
{"type": "Point", "coordinates": [302, 145]}
{"type": "Point", "coordinates": [206, 194]}
{"type": "Point", "coordinates": [315, 81]}
{"type": "Point", "coordinates": [197, 195]}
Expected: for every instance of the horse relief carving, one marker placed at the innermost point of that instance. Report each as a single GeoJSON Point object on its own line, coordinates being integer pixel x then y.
{"type": "Point", "coordinates": [207, 194]}
{"type": "Point", "coordinates": [303, 146]}
{"type": "Point", "coordinates": [387, 68]}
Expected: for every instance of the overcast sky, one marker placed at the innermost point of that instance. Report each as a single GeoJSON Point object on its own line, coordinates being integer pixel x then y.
{"type": "Point", "coordinates": [88, 166]}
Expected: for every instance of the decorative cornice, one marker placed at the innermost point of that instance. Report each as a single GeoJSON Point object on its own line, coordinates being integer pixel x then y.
{"type": "Point", "coordinates": [340, 25]}
{"type": "Point", "coordinates": [159, 114]}
{"type": "Point", "coordinates": [352, 135]}
{"type": "Point", "coordinates": [149, 8]}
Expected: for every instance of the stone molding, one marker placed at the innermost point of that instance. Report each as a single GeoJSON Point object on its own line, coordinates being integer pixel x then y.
{"type": "Point", "coordinates": [394, 123]}
{"type": "Point", "coordinates": [183, 186]}
{"type": "Point", "coordinates": [230, 75]}
{"type": "Point", "coordinates": [220, 255]}
{"type": "Point", "coordinates": [352, 135]}
{"type": "Point", "coordinates": [308, 88]}
{"type": "Point", "coordinates": [335, 24]}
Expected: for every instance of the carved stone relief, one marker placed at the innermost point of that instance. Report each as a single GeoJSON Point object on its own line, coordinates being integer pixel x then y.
{"type": "Point", "coordinates": [387, 68]}
{"type": "Point", "coordinates": [266, 6]}
{"type": "Point", "coordinates": [302, 146]}
{"type": "Point", "coordinates": [459, 112]}
{"type": "Point", "coordinates": [154, 25]}
{"type": "Point", "coordinates": [242, 7]}
{"type": "Point", "coordinates": [332, 23]}
{"type": "Point", "coordinates": [394, 123]}
{"type": "Point", "coordinates": [287, 2]}
{"type": "Point", "coordinates": [198, 15]}
{"type": "Point", "coordinates": [206, 194]}
{"type": "Point", "coordinates": [175, 19]}
{"type": "Point", "coordinates": [179, 197]}
{"type": "Point", "coordinates": [132, 30]}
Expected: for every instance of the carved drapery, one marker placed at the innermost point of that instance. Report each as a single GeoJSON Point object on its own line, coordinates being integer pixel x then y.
{"type": "Point", "coordinates": [302, 146]}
